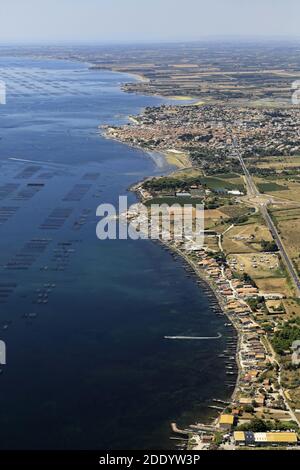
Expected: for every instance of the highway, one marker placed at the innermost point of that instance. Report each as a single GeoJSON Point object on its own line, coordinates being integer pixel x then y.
{"type": "Point", "coordinates": [254, 192]}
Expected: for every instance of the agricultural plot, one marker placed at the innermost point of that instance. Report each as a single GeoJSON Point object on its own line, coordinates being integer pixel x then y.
{"type": "Point", "coordinates": [269, 187]}
{"type": "Point", "coordinates": [236, 210]}
{"type": "Point", "coordinates": [211, 243]}
{"type": "Point", "coordinates": [270, 285]}
{"type": "Point", "coordinates": [290, 235]}
{"type": "Point", "coordinates": [292, 307]}
{"type": "Point", "coordinates": [279, 163]}
{"type": "Point", "coordinates": [213, 217]}
{"type": "Point", "coordinates": [246, 238]}
{"type": "Point", "coordinates": [288, 190]}
{"type": "Point", "coordinates": [218, 184]}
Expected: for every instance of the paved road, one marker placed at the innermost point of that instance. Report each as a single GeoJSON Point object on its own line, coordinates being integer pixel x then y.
{"type": "Point", "coordinates": [254, 192]}
{"type": "Point", "coordinates": [251, 186]}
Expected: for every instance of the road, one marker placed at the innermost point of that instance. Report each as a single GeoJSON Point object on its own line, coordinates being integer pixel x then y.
{"type": "Point", "coordinates": [254, 192]}
{"type": "Point", "coordinates": [251, 186]}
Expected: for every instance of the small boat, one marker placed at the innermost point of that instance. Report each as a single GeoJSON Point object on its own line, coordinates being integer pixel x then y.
{"type": "Point", "coordinates": [193, 337]}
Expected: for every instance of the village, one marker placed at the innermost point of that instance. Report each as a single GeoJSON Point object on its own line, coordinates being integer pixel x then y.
{"type": "Point", "coordinates": [239, 257]}
{"type": "Point", "coordinates": [209, 130]}
{"type": "Point", "coordinates": [259, 400]}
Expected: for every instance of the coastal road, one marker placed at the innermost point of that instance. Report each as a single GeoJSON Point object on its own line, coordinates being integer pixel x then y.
{"type": "Point", "coordinates": [253, 192]}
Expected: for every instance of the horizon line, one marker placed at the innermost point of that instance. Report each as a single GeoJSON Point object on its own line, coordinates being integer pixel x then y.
{"type": "Point", "coordinates": [98, 42]}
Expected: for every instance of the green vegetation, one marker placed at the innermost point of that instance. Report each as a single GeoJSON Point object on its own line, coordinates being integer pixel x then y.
{"type": "Point", "coordinates": [170, 200]}
{"type": "Point", "coordinates": [260, 425]}
{"type": "Point", "coordinates": [217, 184]}
{"type": "Point", "coordinates": [269, 187]}
{"type": "Point", "coordinates": [227, 175]}
{"type": "Point", "coordinates": [175, 183]}
{"type": "Point", "coordinates": [270, 247]}
{"type": "Point", "coordinates": [286, 335]}
{"type": "Point", "coordinates": [256, 304]}
{"type": "Point", "coordinates": [245, 278]}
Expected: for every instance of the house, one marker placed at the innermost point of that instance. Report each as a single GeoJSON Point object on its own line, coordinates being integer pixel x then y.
{"type": "Point", "coordinates": [245, 321]}
{"type": "Point", "coordinates": [235, 192]}
{"type": "Point", "coordinates": [183, 194]}
{"type": "Point", "coordinates": [272, 295]}
{"type": "Point", "coordinates": [260, 356]}
{"type": "Point", "coordinates": [226, 421]}
{"type": "Point", "coordinates": [250, 438]}
{"type": "Point", "coordinates": [259, 401]}
{"type": "Point", "coordinates": [245, 401]}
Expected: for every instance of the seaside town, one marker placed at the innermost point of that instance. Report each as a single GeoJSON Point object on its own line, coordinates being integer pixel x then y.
{"type": "Point", "coordinates": [242, 259]}
{"type": "Point", "coordinates": [209, 130]}
{"type": "Point", "coordinates": [149, 232]}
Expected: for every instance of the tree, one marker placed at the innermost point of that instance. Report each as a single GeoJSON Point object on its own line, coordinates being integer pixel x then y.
{"type": "Point", "coordinates": [270, 247]}
{"type": "Point", "coordinates": [255, 425]}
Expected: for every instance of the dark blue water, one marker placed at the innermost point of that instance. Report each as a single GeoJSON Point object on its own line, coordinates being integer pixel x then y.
{"type": "Point", "coordinates": [84, 320]}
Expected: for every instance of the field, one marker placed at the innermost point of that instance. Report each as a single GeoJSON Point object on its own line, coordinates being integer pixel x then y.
{"type": "Point", "coordinates": [291, 380]}
{"type": "Point", "coordinates": [236, 210]}
{"type": "Point", "coordinates": [290, 234]}
{"type": "Point", "coordinates": [271, 284]}
{"type": "Point", "coordinates": [186, 173]}
{"type": "Point", "coordinates": [269, 187]}
{"type": "Point", "coordinates": [288, 223]}
{"type": "Point", "coordinates": [279, 163]}
{"type": "Point", "coordinates": [211, 243]}
{"type": "Point", "coordinates": [178, 159]}
{"type": "Point", "coordinates": [289, 190]}
{"type": "Point", "coordinates": [213, 217]}
{"type": "Point", "coordinates": [218, 184]}
{"type": "Point", "coordinates": [286, 213]}
{"type": "Point", "coordinates": [292, 307]}
{"type": "Point", "coordinates": [231, 178]}
{"type": "Point", "coordinates": [246, 238]}
{"type": "Point", "coordinates": [257, 265]}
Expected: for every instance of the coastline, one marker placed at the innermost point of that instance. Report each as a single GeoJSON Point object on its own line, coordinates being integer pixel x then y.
{"type": "Point", "coordinates": [166, 260]}
{"type": "Point", "coordinates": [243, 345]}
{"type": "Point", "coordinates": [200, 273]}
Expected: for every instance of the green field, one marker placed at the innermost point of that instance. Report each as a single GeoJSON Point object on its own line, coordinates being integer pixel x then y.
{"type": "Point", "coordinates": [218, 184]}
{"type": "Point", "coordinates": [269, 187]}
{"type": "Point", "coordinates": [225, 176]}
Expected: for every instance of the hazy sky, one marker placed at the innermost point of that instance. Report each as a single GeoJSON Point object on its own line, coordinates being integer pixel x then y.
{"type": "Point", "coordinates": [146, 20]}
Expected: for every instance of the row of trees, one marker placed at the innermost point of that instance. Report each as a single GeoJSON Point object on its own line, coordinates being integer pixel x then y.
{"type": "Point", "coordinates": [260, 425]}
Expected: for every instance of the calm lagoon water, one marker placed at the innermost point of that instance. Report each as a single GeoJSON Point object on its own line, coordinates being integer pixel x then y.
{"type": "Point", "coordinates": [84, 320]}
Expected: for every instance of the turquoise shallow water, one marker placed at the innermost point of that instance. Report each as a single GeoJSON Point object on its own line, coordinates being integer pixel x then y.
{"type": "Point", "coordinates": [84, 321]}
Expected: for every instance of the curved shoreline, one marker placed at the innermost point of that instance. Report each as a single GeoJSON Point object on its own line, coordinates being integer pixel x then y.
{"type": "Point", "coordinates": [199, 273]}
